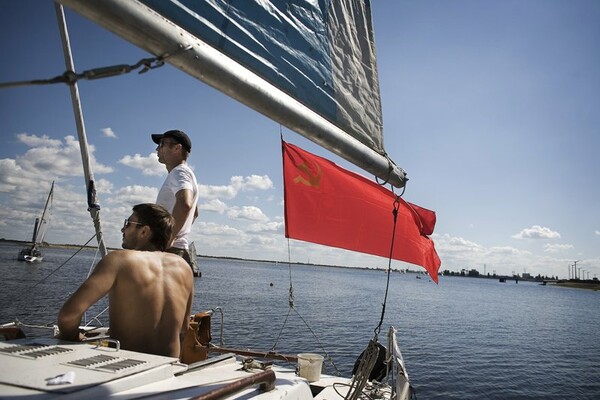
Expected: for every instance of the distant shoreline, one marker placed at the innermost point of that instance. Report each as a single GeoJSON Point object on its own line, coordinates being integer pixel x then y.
{"type": "Point", "coordinates": [590, 285]}
{"type": "Point", "coordinates": [595, 285]}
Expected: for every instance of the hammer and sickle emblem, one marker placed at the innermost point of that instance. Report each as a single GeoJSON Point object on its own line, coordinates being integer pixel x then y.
{"type": "Point", "coordinates": [311, 179]}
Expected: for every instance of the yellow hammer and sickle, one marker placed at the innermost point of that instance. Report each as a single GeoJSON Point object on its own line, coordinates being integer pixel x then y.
{"type": "Point", "coordinates": [310, 180]}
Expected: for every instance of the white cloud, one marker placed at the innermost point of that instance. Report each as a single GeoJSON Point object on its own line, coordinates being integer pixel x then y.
{"type": "Point", "coordinates": [506, 251]}
{"type": "Point", "coordinates": [135, 194]}
{"type": "Point", "coordinates": [557, 248]}
{"type": "Point", "coordinates": [104, 186]}
{"type": "Point", "coordinates": [597, 233]}
{"type": "Point", "coordinates": [50, 157]}
{"type": "Point", "coordinates": [537, 232]}
{"type": "Point", "coordinates": [148, 165]}
{"type": "Point", "coordinates": [214, 205]}
{"type": "Point", "coordinates": [46, 160]}
{"type": "Point", "coordinates": [236, 184]}
{"type": "Point", "coordinates": [247, 212]}
{"type": "Point", "coordinates": [260, 240]}
{"type": "Point", "coordinates": [38, 141]}
{"type": "Point", "coordinates": [255, 182]}
{"type": "Point", "coordinates": [215, 192]}
{"type": "Point", "coordinates": [456, 244]}
{"type": "Point", "coordinates": [11, 175]}
{"type": "Point", "coordinates": [266, 227]}
{"type": "Point", "coordinates": [211, 229]}
{"type": "Point", "coordinates": [108, 132]}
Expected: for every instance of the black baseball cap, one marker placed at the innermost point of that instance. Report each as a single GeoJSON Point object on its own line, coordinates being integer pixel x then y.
{"type": "Point", "coordinates": [177, 135]}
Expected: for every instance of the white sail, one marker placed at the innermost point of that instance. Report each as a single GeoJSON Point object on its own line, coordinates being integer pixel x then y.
{"type": "Point", "coordinates": [45, 218]}
{"type": "Point", "coordinates": [309, 65]}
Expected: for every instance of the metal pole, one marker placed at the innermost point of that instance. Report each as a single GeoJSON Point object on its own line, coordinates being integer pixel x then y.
{"type": "Point", "coordinates": [93, 206]}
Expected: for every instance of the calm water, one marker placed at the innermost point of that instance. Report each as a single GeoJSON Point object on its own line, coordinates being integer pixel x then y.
{"type": "Point", "coordinates": [462, 339]}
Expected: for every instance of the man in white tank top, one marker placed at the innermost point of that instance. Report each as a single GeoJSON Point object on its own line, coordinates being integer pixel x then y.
{"type": "Point", "coordinates": [179, 192]}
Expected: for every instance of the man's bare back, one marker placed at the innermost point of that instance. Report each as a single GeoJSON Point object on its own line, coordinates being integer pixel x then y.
{"type": "Point", "coordinates": [150, 297]}
{"type": "Point", "coordinates": [148, 301]}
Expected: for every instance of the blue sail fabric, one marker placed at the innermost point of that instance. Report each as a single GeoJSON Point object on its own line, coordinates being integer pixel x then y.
{"type": "Point", "coordinates": [320, 52]}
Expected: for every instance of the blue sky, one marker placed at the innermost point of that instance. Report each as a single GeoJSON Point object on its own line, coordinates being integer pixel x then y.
{"type": "Point", "coordinates": [490, 106]}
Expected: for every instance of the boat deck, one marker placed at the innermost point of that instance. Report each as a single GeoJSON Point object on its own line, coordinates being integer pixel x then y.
{"type": "Point", "coordinates": [28, 365]}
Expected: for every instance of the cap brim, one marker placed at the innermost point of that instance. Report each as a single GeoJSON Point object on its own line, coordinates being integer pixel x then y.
{"type": "Point", "coordinates": [156, 137]}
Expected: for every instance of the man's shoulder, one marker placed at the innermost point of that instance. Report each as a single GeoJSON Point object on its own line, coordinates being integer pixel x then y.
{"type": "Point", "coordinates": [174, 259]}
{"type": "Point", "coordinates": [183, 169]}
{"type": "Point", "coordinates": [122, 253]}
{"type": "Point", "coordinates": [134, 255]}
{"type": "Point", "coordinates": [127, 258]}
{"type": "Point", "coordinates": [182, 177]}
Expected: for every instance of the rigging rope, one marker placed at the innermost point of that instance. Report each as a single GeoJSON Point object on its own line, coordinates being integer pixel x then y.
{"type": "Point", "coordinates": [70, 77]}
{"type": "Point", "coordinates": [56, 270]}
{"type": "Point", "coordinates": [389, 270]}
{"type": "Point", "coordinates": [291, 308]}
{"type": "Point", "coordinates": [64, 263]}
{"type": "Point", "coordinates": [85, 321]}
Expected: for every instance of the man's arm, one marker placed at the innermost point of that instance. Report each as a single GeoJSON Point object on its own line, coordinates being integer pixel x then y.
{"type": "Point", "coordinates": [184, 202]}
{"type": "Point", "coordinates": [93, 289]}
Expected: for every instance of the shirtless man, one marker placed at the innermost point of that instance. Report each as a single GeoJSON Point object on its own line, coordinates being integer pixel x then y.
{"type": "Point", "coordinates": [149, 291]}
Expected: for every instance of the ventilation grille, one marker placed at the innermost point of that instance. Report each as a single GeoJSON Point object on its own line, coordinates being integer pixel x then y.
{"type": "Point", "coordinates": [34, 350]}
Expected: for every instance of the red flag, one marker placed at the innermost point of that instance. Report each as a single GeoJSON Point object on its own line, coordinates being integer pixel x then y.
{"type": "Point", "coordinates": [329, 205]}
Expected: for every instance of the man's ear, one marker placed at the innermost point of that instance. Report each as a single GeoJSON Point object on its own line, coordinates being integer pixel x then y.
{"type": "Point", "coordinates": [146, 231]}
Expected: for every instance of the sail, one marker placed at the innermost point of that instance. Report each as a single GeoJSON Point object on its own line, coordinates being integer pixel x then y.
{"type": "Point", "coordinates": [45, 218]}
{"type": "Point", "coordinates": [309, 65]}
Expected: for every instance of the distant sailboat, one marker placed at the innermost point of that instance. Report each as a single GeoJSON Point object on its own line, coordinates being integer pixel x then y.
{"type": "Point", "coordinates": [33, 253]}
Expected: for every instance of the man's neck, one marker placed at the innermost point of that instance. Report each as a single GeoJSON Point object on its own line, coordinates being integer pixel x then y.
{"type": "Point", "coordinates": [147, 247]}
{"type": "Point", "coordinates": [173, 165]}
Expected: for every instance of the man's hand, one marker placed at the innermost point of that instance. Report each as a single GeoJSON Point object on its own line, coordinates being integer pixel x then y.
{"type": "Point", "coordinates": [80, 337]}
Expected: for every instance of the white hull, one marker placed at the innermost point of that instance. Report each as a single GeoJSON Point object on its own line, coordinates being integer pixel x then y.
{"type": "Point", "coordinates": [30, 255]}
{"type": "Point", "coordinates": [27, 365]}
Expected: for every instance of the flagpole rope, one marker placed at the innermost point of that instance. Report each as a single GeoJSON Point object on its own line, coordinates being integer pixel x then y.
{"type": "Point", "coordinates": [292, 308]}
{"type": "Point", "coordinates": [389, 270]}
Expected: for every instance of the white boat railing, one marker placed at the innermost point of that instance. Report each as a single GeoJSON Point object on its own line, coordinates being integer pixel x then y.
{"type": "Point", "coordinates": [403, 389]}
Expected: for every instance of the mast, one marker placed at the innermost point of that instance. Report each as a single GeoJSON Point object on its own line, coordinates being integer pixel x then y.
{"type": "Point", "coordinates": [93, 205]}
{"type": "Point", "coordinates": [35, 229]}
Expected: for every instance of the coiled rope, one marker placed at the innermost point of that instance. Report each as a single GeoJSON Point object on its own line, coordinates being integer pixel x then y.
{"type": "Point", "coordinates": [361, 376]}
